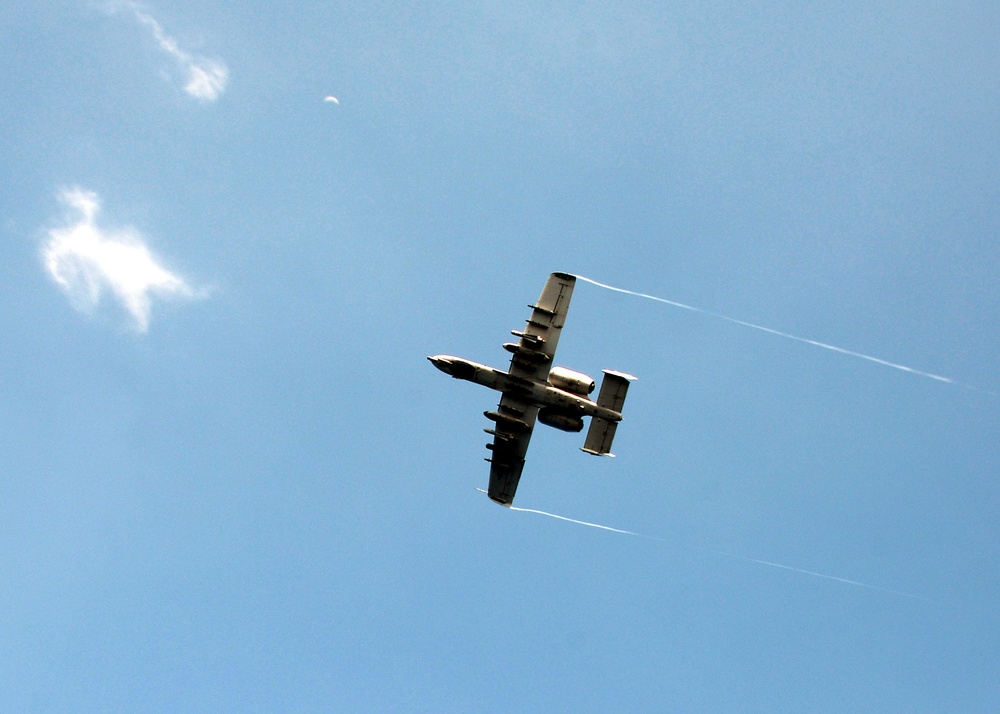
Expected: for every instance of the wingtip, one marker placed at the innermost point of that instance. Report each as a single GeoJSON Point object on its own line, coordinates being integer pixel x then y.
{"type": "Point", "coordinates": [605, 454]}
{"type": "Point", "coordinates": [623, 375]}
{"type": "Point", "coordinates": [499, 503]}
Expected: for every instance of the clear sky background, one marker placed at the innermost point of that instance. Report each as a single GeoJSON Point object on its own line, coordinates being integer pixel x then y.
{"type": "Point", "coordinates": [232, 482]}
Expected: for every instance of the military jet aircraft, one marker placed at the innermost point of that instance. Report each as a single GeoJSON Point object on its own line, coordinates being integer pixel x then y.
{"type": "Point", "coordinates": [532, 388]}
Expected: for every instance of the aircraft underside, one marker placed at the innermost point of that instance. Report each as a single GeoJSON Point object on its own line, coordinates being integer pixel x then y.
{"type": "Point", "coordinates": [532, 389]}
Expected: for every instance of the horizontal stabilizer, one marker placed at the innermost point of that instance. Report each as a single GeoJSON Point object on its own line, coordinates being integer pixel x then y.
{"type": "Point", "coordinates": [612, 396]}
{"type": "Point", "coordinates": [599, 437]}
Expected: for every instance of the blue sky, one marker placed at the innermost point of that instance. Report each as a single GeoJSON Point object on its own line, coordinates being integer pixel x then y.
{"type": "Point", "coordinates": [232, 482]}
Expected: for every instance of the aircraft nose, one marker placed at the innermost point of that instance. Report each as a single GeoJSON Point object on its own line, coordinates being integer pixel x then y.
{"type": "Point", "coordinates": [442, 362]}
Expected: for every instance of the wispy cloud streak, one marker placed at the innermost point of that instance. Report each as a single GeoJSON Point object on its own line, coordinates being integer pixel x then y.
{"type": "Point", "coordinates": [723, 553]}
{"type": "Point", "coordinates": [814, 343]}
{"type": "Point", "coordinates": [205, 78]}
{"type": "Point", "coordinates": [85, 260]}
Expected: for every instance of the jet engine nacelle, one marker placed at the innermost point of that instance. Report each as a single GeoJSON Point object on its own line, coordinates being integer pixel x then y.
{"type": "Point", "coordinates": [563, 422]}
{"type": "Point", "coordinates": [571, 381]}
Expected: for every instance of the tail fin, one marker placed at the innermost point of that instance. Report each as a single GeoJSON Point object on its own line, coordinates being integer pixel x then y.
{"type": "Point", "coordinates": [612, 396]}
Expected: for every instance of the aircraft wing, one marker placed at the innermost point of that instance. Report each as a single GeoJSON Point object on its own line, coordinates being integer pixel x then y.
{"type": "Point", "coordinates": [511, 435]}
{"type": "Point", "coordinates": [537, 346]}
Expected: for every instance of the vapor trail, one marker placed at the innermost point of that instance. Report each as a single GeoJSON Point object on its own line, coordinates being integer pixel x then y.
{"type": "Point", "coordinates": [584, 523]}
{"type": "Point", "coordinates": [814, 573]}
{"type": "Point", "coordinates": [725, 554]}
{"type": "Point", "coordinates": [833, 348]}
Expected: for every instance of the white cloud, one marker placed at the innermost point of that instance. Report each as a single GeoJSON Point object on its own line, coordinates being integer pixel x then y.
{"type": "Point", "coordinates": [205, 78]}
{"type": "Point", "coordinates": [85, 260]}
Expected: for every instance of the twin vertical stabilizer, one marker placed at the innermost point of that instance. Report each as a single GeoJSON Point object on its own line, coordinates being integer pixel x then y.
{"type": "Point", "coordinates": [612, 396]}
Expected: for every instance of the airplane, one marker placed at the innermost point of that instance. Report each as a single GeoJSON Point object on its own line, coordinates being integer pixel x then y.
{"type": "Point", "coordinates": [532, 388]}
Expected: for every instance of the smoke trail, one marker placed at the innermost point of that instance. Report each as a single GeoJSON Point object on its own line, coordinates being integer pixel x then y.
{"type": "Point", "coordinates": [833, 348]}
{"type": "Point", "coordinates": [727, 555]}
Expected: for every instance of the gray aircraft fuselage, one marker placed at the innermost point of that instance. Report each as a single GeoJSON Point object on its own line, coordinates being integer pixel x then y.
{"type": "Point", "coordinates": [541, 394]}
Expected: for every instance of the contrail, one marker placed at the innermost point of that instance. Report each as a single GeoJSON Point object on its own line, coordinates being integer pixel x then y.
{"type": "Point", "coordinates": [727, 555]}
{"type": "Point", "coordinates": [815, 343]}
